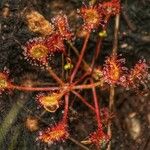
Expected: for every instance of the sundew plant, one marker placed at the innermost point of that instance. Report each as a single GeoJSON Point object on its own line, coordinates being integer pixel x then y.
{"type": "Point", "coordinates": [77, 76]}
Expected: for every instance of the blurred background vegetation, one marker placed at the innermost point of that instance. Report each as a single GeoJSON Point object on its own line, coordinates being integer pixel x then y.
{"type": "Point", "coordinates": [20, 116]}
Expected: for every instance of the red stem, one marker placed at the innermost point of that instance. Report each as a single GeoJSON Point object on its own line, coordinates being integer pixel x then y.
{"type": "Point", "coordinates": [80, 58]}
{"type": "Point", "coordinates": [84, 100]}
{"type": "Point", "coordinates": [25, 88]}
{"type": "Point", "coordinates": [96, 107]}
{"type": "Point", "coordinates": [65, 87]}
{"type": "Point", "coordinates": [87, 86]}
{"type": "Point", "coordinates": [52, 73]}
{"type": "Point", "coordinates": [82, 77]}
{"type": "Point", "coordinates": [66, 108]}
{"type": "Point", "coordinates": [97, 51]}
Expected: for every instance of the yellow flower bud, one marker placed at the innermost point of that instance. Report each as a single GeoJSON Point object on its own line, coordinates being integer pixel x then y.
{"type": "Point", "coordinates": [103, 34]}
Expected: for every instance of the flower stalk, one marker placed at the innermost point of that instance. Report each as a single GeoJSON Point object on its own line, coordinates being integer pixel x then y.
{"type": "Point", "coordinates": [80, 58]}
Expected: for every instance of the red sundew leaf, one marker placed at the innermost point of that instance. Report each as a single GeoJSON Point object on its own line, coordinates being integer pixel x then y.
{"type": "Point", "coordinates": [113, 71]}
{"type": "Point", "coordinates": [61, 24]}
{"type": "Point", "coordinates": [36, 51]}
{"type": "Point", "coordinates": [54, 134]}
{"type": "Point", "coordinates": [91, 16]}
{"type": "Point", "coordinates": [50, 101]}
{"type": "Point", "coordinates": [55, 43]}
{"type": "Point", "coordinates": [111, 8]}
{"type": "Point", "coordinates": [4, 82]}
{"type": "Point", "coordinates": [99, 138]}
{"type": "Point", "coordinates": [138, 74]}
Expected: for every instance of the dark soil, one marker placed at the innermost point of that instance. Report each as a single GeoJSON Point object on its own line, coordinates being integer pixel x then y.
{"type": "Point", "coordinates": [131, 122]}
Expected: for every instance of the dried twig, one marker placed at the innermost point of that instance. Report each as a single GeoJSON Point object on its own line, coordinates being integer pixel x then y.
{"type": "Point", "coordinates": [112, 88]}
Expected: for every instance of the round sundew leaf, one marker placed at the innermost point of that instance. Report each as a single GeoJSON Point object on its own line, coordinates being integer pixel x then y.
{"type": "Point", "coordinates": [39, 52]}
